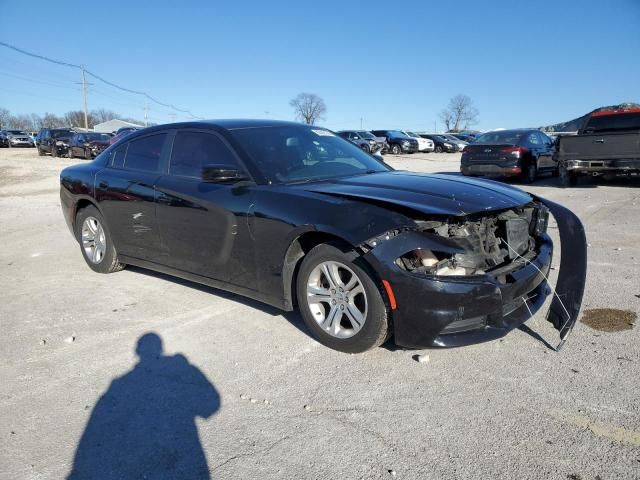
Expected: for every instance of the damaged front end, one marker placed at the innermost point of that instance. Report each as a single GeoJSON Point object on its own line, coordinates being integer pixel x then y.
{"type": "Point", "coordinates": [463, 280]}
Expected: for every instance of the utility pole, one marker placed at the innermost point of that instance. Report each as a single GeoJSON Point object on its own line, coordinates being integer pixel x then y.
{"type": "Point", "coordinates": [360, 123]}
{"type": "Point", "coordinates": [84, 95]}
{"type": "Point", "coordinates": [146, 112]}
{"type": "Point", "coordinates": [435, 127]}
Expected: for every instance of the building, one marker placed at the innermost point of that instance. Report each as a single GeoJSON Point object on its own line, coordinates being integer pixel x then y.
{"type": "Point", "coordinates": [111, 126]}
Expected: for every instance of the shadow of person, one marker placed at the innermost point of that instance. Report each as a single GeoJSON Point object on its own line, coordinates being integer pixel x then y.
{"type": "Point", "coordinates": [144, 425]}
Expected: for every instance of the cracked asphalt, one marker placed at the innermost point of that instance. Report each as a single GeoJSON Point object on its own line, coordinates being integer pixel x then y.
{"type": "Point", "coordinates": [240, 390]}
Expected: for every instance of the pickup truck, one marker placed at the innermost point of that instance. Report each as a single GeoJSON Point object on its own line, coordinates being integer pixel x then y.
{"type": "Point", "coordinates": [608, 143]}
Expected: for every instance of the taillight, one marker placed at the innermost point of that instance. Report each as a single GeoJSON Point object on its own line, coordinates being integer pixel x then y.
{"type": "Point", "coordinates": [515, 151]}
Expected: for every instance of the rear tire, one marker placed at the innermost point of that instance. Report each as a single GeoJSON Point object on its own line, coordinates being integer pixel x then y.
{"type": "Point", "coordinates": [331, 313]}
{"type": "Point", "coordinates": [531, 172]}
{"type": "Point", "coordinates": [40, 152]}
{"type": "Point", "coordinates": [95, 241]}
{"type": "Point", "coordinates": [54, 152]}
{"type": "Point", "coordinates": [567, 178]}
{"type": "Point", "coordinates": [70, 153]}
{"type": "Point", "coordinates": [366, 148]}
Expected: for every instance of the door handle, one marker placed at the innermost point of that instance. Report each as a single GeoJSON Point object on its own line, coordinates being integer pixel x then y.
{"type": "Point", "coordinates": [599, 140]}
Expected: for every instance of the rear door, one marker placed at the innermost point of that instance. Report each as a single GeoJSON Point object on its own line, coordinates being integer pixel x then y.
{"type": "Point", "coordinates": [126, 194]}
{"type": "Point", "coordinates": [205, 225]}
{"type": "Point", "coordinates": [545, 157]}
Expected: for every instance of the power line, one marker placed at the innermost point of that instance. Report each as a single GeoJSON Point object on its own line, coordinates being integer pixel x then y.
{"type": "Point", "coordinates": [97, 77]}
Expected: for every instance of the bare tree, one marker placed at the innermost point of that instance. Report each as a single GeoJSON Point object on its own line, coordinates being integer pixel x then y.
{"type": "Point", "coordinates": [36, 122]}
{"type": "Point", "coordinates": [49, 120]}
{"type": "Point", "coordinates": [75, 119]}
{"type": "Point", "coordinates": [4, 117]}
{"type": "Point", "coordinates": [103, 115]}
{"type": "Point", "coordinates": [308, 108]}
{"type": "Point", "coordinates": [20, 122]}
{"type": "Point", "coordinates": [460, 113]}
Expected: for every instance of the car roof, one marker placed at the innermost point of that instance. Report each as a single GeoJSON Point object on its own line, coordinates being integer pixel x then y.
{"type": "Point", "coordinates": [227, 124]}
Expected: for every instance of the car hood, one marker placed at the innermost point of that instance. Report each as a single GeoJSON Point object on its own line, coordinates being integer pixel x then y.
{"type": "Point", "coordinates": [433, 194]}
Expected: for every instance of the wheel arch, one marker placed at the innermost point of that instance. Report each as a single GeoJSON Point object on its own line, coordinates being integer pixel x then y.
{"type": "Point", "coordinates": [296, 251]}
{"type": "Point", "coordinates": [81, 204]}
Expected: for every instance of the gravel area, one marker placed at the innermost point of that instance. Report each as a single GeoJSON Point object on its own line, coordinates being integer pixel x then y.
{"type": "Point", "coordinates": [241, 391]}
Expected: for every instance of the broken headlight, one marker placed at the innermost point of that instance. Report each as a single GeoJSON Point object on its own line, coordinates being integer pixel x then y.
{"type": "Point", "coordinates": [437, 263]}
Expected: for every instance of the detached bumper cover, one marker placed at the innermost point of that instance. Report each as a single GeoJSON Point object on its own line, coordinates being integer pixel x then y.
{"type": "Point", "coordinates": [456, 311]}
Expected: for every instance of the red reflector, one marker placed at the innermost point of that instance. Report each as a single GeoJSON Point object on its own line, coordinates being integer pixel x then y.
{"type": "Point", "coordinates": [392, 297]}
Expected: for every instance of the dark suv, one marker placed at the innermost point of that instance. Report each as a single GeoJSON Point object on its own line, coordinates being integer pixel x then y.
{"type": "Point", "coordinates": [54, 141]}
{"type": "Point", "coordinates": [398, 141]}
{"type": "Point", "coordinates": [365, 140]}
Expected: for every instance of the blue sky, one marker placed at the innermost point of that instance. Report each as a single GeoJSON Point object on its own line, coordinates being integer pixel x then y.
{"type": "Point", "coordinates": [395, 65]}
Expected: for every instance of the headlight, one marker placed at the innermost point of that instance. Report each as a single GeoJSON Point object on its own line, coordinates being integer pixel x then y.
{"type": "Point", "coordinates": [435, 263]}
{"type": "Point", "coordinates": [406, 143]}
{"type": "Point", "coordinates": [448, 145]}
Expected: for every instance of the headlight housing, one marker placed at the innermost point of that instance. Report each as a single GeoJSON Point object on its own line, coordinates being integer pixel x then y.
{"type": "Point", "coordinates": [435, 263]}
{"type": "Point", "coordinates": [447, 145]}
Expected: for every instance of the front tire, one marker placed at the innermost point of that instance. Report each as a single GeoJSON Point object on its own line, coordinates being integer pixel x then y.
{"type": "Point", "coordinates": [95, 241]}
{"type": "Point", "coordinates": [438, 149]}
{"type": "Point", "coordinates": [40, 152]}
{"type": "Point", "coordinates": [339, 300]}
{"type": "Point", "coordinates": [54, 151]}
{"type": "Point", "coordinates": [396, 149]}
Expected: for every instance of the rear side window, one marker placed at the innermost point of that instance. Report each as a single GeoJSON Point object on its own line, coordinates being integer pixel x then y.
{"type": "Point", "coordinates": [144, 154]}
{"type": "Point", "coordinates": [193, 150]}
{"type": "Point", "coordinates": [613, 123]}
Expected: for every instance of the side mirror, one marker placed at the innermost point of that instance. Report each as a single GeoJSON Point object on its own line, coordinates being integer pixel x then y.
{"type": "Point", "coordinates": [222, 174]}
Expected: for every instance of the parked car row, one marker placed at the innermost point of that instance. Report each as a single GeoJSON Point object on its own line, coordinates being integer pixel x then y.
{"type": "Point", "coordinates": [66, 142]}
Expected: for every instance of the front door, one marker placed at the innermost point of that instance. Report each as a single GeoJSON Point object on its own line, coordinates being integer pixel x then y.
{"type": "Point", "coordinates": [204, 225]}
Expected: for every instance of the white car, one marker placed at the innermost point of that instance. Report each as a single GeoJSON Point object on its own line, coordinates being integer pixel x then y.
{"type": "Point", "coordinates": [424, 144]}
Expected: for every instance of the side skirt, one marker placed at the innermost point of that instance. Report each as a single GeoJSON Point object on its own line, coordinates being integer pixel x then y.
{"type": "Point", "coordinates": [210, 282]}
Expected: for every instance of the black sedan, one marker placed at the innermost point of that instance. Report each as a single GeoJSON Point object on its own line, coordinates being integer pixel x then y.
{"type": "Point", "coordinates": [299, 218]}
{"type": "Point", "coordinates": [522, 153]}
{"type": "Point", "coordinates": [88, 144]}
{"type": "Point", "coordinates": [441, 143]}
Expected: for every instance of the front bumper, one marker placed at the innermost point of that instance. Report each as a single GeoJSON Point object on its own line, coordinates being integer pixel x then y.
{"type": "Point", "coordinates": [412, 148]}
{"type": "Point", "coordinates": [21, 143]}
{"type": "Point", "coordinates": [455, 311]}
{"type": "Point", "coordinates": [603, 166]}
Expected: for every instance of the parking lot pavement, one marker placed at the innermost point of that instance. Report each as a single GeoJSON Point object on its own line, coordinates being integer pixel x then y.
{"type": "Point", "coordinates": [264, 400]}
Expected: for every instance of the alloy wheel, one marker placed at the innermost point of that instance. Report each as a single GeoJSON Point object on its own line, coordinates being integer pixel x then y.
{"type": "Point", "coordinates": [337, 299]}
{"type": "Point", "coordinates": [94, 240]}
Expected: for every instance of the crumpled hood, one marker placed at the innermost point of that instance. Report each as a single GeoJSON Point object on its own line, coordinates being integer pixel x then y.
{"type": "Point", "coordinates": [434, 194]}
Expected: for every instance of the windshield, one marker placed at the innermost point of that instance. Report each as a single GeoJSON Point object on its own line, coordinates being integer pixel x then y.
{"type": "Point", "coordinates": [61, 133]}
{"type": "Point", "coordinates": [395, 133]}
{"type": "Point", "coordinates": [16, 132]}
{"type": "Point", "coordinates": [364, 134]}
{"type": "Point", "coordinates": [413, 134]}
{"type": "Point", "coordinates": [502, 136]}
{"type": "Point", "coordinates": [101, 137]}
{"type": "Point", "coordinates": [291, 154]}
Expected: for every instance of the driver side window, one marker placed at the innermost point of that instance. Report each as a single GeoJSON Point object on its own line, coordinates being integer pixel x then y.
{"type": "Point", "coordinates": [193, 150]}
